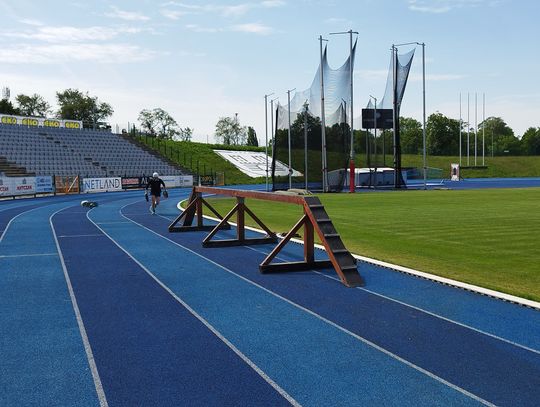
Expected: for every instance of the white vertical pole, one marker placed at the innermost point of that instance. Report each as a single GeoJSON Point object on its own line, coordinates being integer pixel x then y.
{"type": "Point", "coordinates": [475, 127]}
{"type": "Point", "coordinates": [424, 109]}
{"type": "Point", "coordinates": [468, 131]}
{"type": "Point", "coordinates": [323, 122]}
{"type": "Point", "coordinates": [352, 166]}
{"type": "Point", "coordinates": [483, 128]}
{"type": "Point", "coordinates": [305, 146]}
{"type": "Point", "coordinates": [266, 136]}
{"type": "Point", "coordinates": [460, 126]}
{"type": "Point", "coordinates": [289, 135]}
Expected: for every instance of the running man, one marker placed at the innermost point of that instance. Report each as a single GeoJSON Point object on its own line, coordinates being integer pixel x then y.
{"type": "Point", "coordinates": [155, 184]}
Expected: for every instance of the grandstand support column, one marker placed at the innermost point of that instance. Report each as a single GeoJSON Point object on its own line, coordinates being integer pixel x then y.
{"type": "Point", "coordinates": [323, 121]}
{"type": "Point", "coordinates": [266, 134]}
{"type": "Point", "coordinates": [351, 158]}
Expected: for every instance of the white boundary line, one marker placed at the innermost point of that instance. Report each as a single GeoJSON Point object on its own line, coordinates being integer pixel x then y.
{"type": "Point", "coordinates": [15, 217]}
{"type": "Point", "coordinates": [393, 299]}
{"type": "Point", "coordinates": [442, 280]}
{"type": "Point", "coordinates": [27, 255]}
{"type": "Point", "coordinates": [88, 349]}
{"type": "Point", "coordinates": [416, 308]}
{"type": "Point", "coordinates": [242, 356]}
{"type": "Point", "coordinates": [333, 324]}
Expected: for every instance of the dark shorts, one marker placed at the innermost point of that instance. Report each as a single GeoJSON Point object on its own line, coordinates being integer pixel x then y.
{"type": "Point", "coordinates": [156, 194]}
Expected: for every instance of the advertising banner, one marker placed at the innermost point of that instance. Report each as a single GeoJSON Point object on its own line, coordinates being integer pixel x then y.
{"type": "Point", "coordinates": [102, 184]}
{"type": "Point", "coordinates": [186, 181]}
{"type": "Point", "coordinates": [5, 186]}
{"type": "Point", "coordinates": [44, 184]}
{"type": "Point", "coordinates": [40, 121]}
{"type": "Point", "coordinates": [17, 186]}
{"type": "Point", "coordinates": [132, 182]}
{"type": "Point", "coordinates": [253, 163]}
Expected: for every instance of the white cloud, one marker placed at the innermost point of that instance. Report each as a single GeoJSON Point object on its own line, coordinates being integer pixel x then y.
{"type": "Point", "coordinates": [173, 14]}
{"type": "Point", "coordinates": [197, 28]}
{"type": "Point", "coordinates": [235, 11]}
{"type": "Point", "coordinates": [126, 15]}
{"type": "Point", "coordinates": [29, 21]}
{"type": "Point", "coordinates": [444, 6]}
{"type": "Point", "coordinates": [254, 28]}
{"type": "Point", "coordinates": [70, 34]}
{"type": "Point", "coordinates": [59, 53]}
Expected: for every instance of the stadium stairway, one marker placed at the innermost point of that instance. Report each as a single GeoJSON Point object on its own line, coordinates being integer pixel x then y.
{"type": "Point", "coordinates": [9, 169]}
{"type": "Point", "coordinates": [144, 147]}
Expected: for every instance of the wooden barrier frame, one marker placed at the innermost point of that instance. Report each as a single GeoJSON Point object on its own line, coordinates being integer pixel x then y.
{"type": "Point", "coordinates": [314, 219]}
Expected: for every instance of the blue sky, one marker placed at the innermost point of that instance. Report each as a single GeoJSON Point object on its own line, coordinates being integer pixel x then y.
{"type": "Point", "coordinates": [201, 60]}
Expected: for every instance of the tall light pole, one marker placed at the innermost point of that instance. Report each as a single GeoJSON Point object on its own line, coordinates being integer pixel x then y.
{"type": "Point", "coordinates": [305, 146]}
{"type": "Point", "coordinates": [323, 121]}
{"type": "Point", "coordinates": [272, 127]}
{"type": "Point", "coordinates": [423, 44]}
{"type": "Point", "coordinates": [266, 134]}
{"type": "Point", "coordinates": [351, 158]}
{"type": "Point", "coordinates": [483, 128]}
{"type": "Point", "coordinates": [468, 131]}
{"type": "Point", "coordinates": [475, 127]}
{"type": "Point", "coordinates": [289, 133]}
{"type": "Point", "coordinates": [375, 134]}
{"type": "Point", "coordinates": [460, 126]}
{"type": "Point", "coordinates": [236, 126]}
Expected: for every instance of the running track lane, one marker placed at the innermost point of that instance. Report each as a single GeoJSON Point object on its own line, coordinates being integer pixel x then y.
{"type": "Point", "coordinates": [43, 357]}
{"type": "Point", "coordinates": [149, 349]}
{"type": "Point", "coordinates": [494, 370]}
{"type": "Point", "coordinates": [315, 361]}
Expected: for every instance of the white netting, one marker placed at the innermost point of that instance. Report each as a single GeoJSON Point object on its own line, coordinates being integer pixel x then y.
{"type": "Point", "coordinates": [403, 66]}
{"type": "Point", "coordinates": [337, 94]}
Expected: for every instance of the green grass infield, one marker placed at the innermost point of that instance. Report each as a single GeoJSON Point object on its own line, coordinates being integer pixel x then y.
{"type": "Point", "coordinates": [484, 237]}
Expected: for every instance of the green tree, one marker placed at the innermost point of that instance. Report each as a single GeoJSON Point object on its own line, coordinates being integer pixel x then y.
{"type": "Point", "coordinates": [499, 137]}
{"type": "Point", "coordinates": [530, 142]}
{"type": "Point", "coordinates": [76, 105]}
{"type": "Point", "coordinates": [411, 135]}
{"type": "Point", "coordinates": [161, 124]}
{"type": "Point", "coordinates": [252, 137]}
{"type": "Point", "coordinates": [442, 135]}
{"type": "Point", "coordinates": [185, 134]}
{"type": "Point", "coordinates": [229, 131]}
{"type": "Point", "coordinates": [147, 120]}
{"type": "Point", "coordinates": [34, 105]}
{"type": "Point", "coordinates": [6, 107]}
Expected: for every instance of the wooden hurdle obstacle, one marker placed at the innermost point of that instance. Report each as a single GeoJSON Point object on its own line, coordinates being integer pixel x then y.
{"type": "Point", "coordinates": [314, 219]}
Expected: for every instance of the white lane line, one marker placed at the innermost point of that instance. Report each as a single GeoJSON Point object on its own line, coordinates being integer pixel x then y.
{"type": "Point", "coordinates": [416, 308]}
{"type": "Point", "coordinates": [248, 361]}
{"type": "Point", "coordinates": [416, 273]}
{"type": "Point", "coordinates": [387, 265]}
{"type": "Point", "coordinates": [88, 235]}
{"type": "Point", "coordinates": [320, 317]}
{"type": "Point", "coordinates": [15, 217]}
{"type": "Point", "coordinates": [28, 255]}
{"type": "Point", "coordinates": [109, 223]}
{"type": "Point", "coordinates": [88, 349]}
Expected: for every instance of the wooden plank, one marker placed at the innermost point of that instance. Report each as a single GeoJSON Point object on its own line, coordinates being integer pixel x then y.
{"type": "Point", "coordinates": [266, 196]}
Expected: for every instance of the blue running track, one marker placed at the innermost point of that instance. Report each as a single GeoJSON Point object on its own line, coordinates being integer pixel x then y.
{"type": "Point", "coordinates": [105, 307]}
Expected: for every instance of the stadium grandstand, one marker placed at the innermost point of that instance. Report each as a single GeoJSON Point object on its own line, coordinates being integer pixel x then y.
{"type": "Point", "coordinates": [42, 150]}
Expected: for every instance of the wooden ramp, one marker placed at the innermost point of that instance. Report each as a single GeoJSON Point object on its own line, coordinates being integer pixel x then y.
{"type": "Point", "coordinates": [315, 219]}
